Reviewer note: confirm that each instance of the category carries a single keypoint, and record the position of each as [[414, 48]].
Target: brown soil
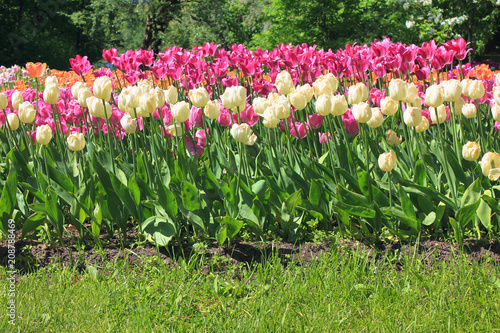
[[32, 255]]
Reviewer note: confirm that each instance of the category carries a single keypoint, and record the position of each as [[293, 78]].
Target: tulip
[[339, 105], [51, 94], [438, 113], [271, 120], [147, 104], [233, 97], [322, 87], [417, 102], [490, 165], [212, 109], [282, 107], [128, 123], [176, 129], [412, 93], [51, 81], [357, 93], [388, 106], [171, 95], [307, 91], [457, 110], [4, 102], [377, 118], [283, 83], [497, 79], [298, 100], [434, 96], [496, 94], [412, 116], [469, 110], [43, 134], [465, 86], [387, 161], [76, 141], [13, 121], [160, 97], [495, 112], [398, 89], [103, 88], [452, 90], [393, 139], [362, 112], [17, 98], [324, 105], [476, 89], [260, 104], [181, 111], [27, 112], [76, 87], [243, 133], [332, 81], [471, 151], [199, 97], [83, 94], [36, 70], [423, 125]]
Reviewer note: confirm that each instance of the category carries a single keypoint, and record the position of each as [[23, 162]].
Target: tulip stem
[[111, 148], [480, 124], [446, 165], [9, 132]]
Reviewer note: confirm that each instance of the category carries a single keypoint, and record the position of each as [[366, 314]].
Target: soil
[[32, 255]]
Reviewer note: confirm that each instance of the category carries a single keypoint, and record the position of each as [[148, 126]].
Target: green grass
[[334, 293]]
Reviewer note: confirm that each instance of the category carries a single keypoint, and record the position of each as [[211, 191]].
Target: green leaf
[[259, 188], [32, 222], [315, 193], [8, 199], [420, 173], [355, 210], [484, 213], [53, 213], [466, 213], [472, 194], [167, 200], [159, 229], [352, 197], [429, 219], [123, 193], [406, 204], [134, 189], [190, 196]]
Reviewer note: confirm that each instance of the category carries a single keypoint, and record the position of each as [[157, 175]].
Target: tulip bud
[[423, 125], [144, 86], [362, 112], [243, 133], [212, 109], [471, 151], [434, 96], [377, 118], [3, 101], [388, 106], [469, 110], [27, 112], [332, 81], [322, 87], [96, 108], [476, 89], [297, 100], [438, 113], [128, 124], [284, 83], [339, 105], [199, 97], [495, 112], [412, 116], [171, 95], [43, 134], [103, 88], [307, 91], [465, 86], [51, 94], [13, 121], [76, 141], [17, 98], [452, 90], [181, 111], [490, 165], [83, 94], [271, 120], [324, 105], [497, 79], [260, 104], [176, 129], [387, 161], [393, 139], [398, 89], [357, 93], [234, 96]]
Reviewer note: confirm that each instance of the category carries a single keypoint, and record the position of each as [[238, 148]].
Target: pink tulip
[[315, 120], [350, 124], [80, 65], [323, 138]]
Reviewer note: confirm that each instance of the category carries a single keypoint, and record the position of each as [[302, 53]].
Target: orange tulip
[[36, 70]]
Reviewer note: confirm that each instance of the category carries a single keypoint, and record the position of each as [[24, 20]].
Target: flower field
[[380, 141]]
